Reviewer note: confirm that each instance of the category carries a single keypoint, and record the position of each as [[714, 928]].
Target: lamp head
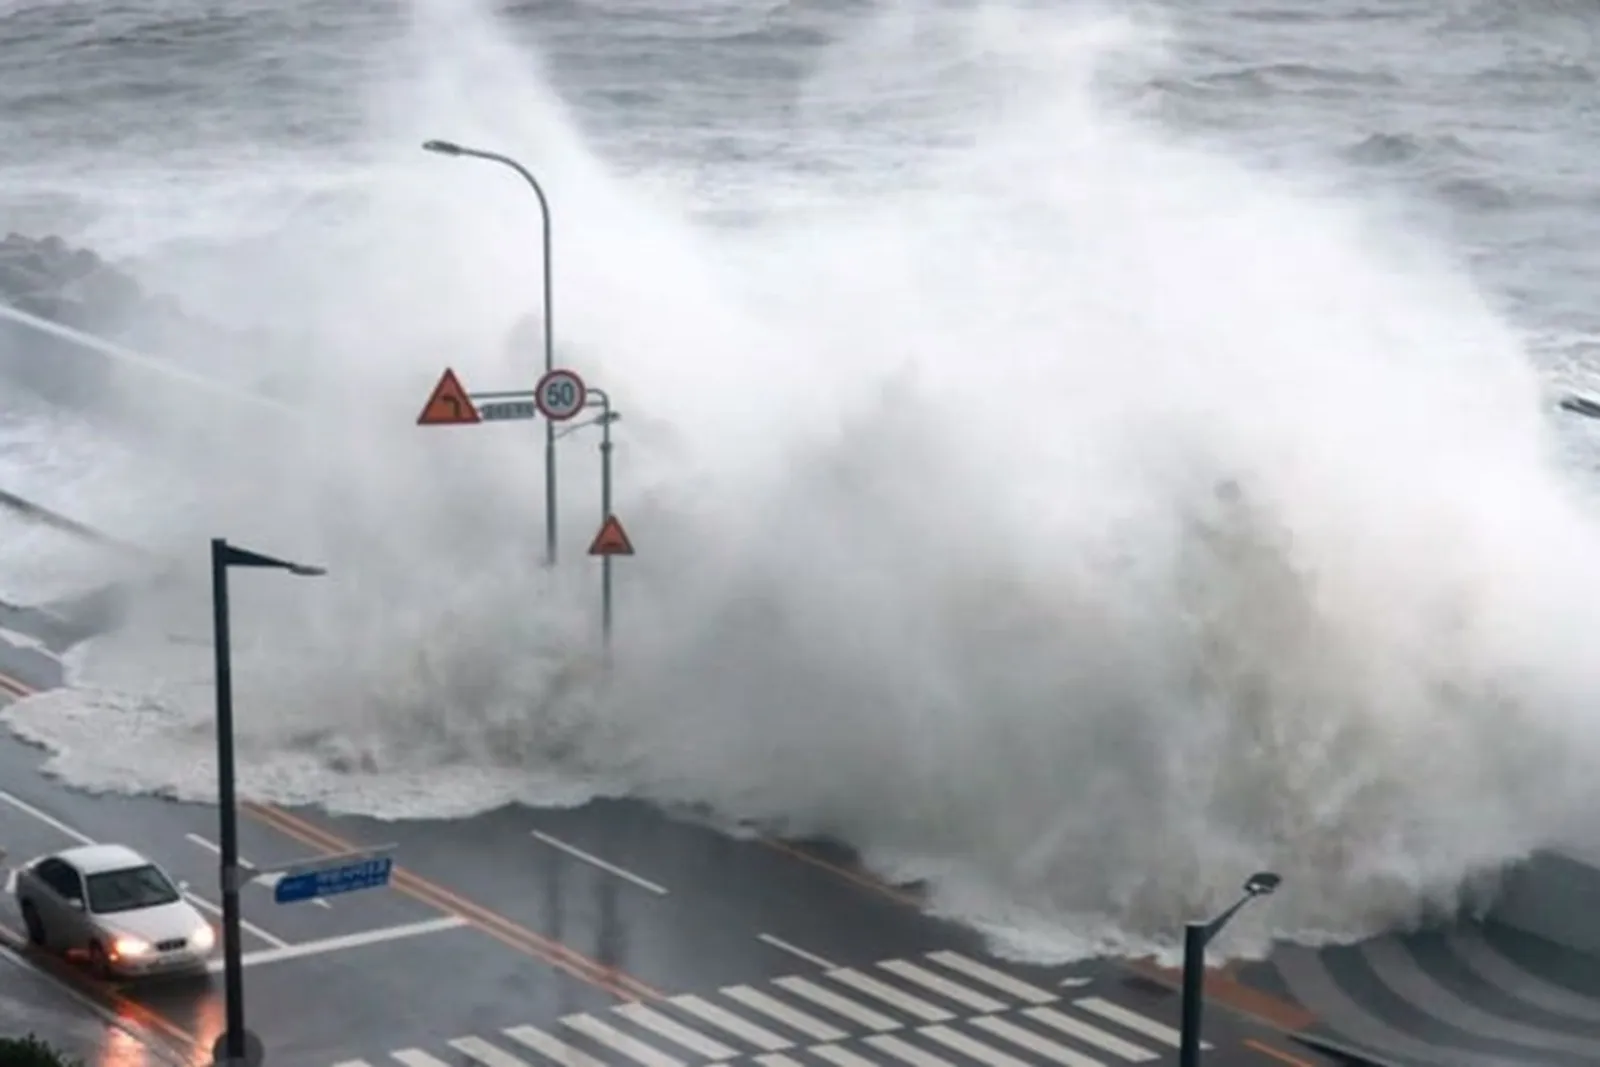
[[1262, 883], [303, 571], [444, 148]]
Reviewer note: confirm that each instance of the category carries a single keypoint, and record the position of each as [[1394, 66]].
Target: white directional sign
[[560, 395], [500, 410]]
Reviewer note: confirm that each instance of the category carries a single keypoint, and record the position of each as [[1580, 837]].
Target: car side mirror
[[77, 904], [183, 887]]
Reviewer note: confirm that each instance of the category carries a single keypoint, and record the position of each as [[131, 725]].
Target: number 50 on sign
[[560, 395]]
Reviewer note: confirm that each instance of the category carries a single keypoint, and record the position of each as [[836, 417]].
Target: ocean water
[[1078, 455]]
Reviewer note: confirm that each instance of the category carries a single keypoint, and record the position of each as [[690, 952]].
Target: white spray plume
[[1074, 518]]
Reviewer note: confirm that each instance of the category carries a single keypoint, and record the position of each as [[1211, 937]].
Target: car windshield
[[125, 890]]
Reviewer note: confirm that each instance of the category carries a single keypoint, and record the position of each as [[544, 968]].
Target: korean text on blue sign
[[362, 874]]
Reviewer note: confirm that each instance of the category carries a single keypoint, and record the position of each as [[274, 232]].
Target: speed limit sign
[[560, 395]]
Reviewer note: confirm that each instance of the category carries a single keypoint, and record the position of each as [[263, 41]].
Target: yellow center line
[[493, 923], [503, 929], [859, 878], [1276, 1053]]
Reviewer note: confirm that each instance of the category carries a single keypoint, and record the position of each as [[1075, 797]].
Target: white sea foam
[[1077, 519]]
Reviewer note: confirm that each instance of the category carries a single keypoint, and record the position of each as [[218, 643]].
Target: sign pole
[[559, 395], [605, 513], [612, 539]]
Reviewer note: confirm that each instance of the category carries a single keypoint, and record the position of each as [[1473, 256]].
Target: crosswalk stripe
[[673, 1030], [344, 1063], [907, 1053], [799, 1020], [942, 985], [1091, 1035], [777, 1059], [486, 1053], [837, 1004], [1132, 1020], [411, 1057], [756, 1035], [550, 1048], [1035, 1042], [890, 995], [970, 1047], [998, 979], [613, 1038], [841, 1057]]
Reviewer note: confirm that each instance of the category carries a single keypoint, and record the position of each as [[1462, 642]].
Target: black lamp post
[[1196, 936], [237, 1047]]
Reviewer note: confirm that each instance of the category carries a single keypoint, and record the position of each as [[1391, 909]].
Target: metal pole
[[605, 513], [1195, 936], [549, 349], [232, 944], [451, 149]]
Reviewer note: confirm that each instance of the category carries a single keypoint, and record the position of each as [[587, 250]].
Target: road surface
[[606, 936]]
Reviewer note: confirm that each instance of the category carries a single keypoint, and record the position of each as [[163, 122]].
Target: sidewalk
[[1465, 996], [33, 1002]]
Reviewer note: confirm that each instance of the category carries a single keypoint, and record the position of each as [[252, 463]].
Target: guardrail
[[43, 515], [111, 358]]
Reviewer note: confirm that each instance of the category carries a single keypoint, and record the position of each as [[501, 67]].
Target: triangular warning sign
[[612, 540], [448, 404]]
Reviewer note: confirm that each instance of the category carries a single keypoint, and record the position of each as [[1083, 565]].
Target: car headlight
[[204, 937], [129, 947]]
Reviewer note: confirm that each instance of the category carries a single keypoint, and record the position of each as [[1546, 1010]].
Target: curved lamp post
[[450, 148], [1196, 936], [236, 1046]]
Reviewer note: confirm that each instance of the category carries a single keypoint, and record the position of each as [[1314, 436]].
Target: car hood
[[178, 919]]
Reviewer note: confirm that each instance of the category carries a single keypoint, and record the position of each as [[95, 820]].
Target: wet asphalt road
[[549, 924]]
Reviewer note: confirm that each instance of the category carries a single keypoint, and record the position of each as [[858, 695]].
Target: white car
[[114, 906]]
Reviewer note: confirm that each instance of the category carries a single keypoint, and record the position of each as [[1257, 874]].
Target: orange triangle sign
[[448, 404], [612, 540]]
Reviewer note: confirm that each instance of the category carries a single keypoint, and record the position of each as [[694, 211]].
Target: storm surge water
[[1058, 511]]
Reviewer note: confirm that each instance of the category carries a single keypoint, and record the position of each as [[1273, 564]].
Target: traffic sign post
[[559, 396], [329, 876], [612, 540]]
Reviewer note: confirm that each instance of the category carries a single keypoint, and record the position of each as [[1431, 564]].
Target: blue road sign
[[362, 872]]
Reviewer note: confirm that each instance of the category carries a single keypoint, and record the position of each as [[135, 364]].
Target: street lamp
[[1196, 936], [236, 1047], [1580, 405], [449, 148]]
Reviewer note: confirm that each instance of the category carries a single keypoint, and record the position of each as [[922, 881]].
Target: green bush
[[31, 1052]]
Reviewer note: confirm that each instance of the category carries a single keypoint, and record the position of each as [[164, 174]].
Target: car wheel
[[33, 924], [98, 962]]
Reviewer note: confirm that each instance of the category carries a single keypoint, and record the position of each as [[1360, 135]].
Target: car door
[[63, 907]]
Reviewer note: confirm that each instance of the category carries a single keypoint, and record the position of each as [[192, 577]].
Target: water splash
[[1063, 514]]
